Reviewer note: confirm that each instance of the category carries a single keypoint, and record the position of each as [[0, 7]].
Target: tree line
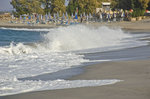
[[74, 6]]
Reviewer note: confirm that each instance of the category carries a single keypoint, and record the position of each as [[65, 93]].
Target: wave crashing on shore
[[73, 38], [60, 49]]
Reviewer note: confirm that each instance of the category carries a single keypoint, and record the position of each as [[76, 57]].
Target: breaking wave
[[73, 38], [57, 52]]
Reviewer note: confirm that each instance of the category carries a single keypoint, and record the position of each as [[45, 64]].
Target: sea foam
[[57, 51], [73, 38]]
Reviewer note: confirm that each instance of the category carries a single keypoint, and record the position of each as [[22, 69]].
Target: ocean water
[[41, 59]]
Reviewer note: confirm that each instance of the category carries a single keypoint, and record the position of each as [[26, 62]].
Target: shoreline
[[136, 76], [142, 25]]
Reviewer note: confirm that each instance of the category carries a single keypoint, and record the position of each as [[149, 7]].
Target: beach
[[142, 25], [134, 74], [135, 84]]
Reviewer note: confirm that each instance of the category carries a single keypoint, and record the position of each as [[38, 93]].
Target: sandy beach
[[18, 25], [127, 25], [136, 76]]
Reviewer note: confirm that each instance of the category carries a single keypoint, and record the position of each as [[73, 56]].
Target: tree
[[126, 4], [47, 5], [148, 5], [58, 6], [114, 4], [87, 6], [72, 6], [132, 4], [27, 7], [143, 4]]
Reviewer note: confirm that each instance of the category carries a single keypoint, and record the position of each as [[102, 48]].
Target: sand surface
[[136, 75], [136, 84], [136, 25]]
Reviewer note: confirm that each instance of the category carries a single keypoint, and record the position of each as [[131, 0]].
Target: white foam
[[16, 87], [81, 37], [56, 52], [24, 29], [75, 38], [28, 65]]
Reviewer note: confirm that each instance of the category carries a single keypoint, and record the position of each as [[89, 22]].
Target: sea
[[44, 59]]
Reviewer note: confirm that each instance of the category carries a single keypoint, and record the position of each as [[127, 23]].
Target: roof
[[106, 3]]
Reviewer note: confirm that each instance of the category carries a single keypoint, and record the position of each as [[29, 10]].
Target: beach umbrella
[[63, 17], [41, 17], [81, 15], [100, 16], [90, 16], [49, 15], [109, 16], [12, 16], [72, 15], [84, 14], [87, 17], [66, 15], [76, 16], [33, 16], [20, 17], [46, 17], [38, 17], [57, 15], [114, 15], [122, 14], [29, 17], [54, 17]]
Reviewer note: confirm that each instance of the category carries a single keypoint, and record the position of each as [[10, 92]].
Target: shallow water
[[28, 56]]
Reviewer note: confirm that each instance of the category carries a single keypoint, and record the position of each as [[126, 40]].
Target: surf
[[59, 49], [73, 38]]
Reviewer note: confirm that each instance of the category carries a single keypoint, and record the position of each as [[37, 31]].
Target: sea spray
[[82, 37], [56, 52], [71, 38]]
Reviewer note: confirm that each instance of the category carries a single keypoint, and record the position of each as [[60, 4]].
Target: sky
[[5, 5]]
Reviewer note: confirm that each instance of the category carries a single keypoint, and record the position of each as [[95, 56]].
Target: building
[[106, 6]]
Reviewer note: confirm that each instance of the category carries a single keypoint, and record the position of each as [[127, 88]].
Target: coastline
[[136, 76], [142, 25], [38, 26]]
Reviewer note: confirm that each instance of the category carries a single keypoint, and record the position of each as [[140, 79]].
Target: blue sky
[[5, 5]]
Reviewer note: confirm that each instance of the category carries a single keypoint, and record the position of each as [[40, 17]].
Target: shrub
[[138, 12]]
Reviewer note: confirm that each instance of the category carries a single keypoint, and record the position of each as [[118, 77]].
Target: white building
[[106, 6]]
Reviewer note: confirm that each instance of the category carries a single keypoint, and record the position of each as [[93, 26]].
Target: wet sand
[[136, 76], [136, 84]]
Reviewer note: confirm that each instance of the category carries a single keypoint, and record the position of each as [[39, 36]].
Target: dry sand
[[137, 25], [136, 84]]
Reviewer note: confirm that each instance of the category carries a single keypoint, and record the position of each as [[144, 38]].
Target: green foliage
[[114, 4], [58, 6], [148, 8], [27, 7], [143, 3], [72, 6], [132, 4], [87, 6], [138, 12], [34, 6], [126, 4]]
